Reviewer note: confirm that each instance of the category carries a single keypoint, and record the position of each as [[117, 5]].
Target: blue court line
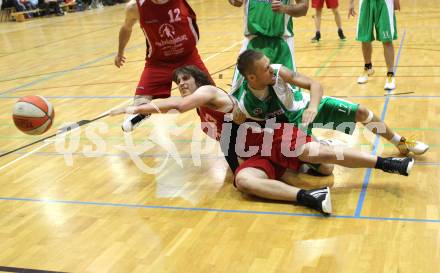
[[56, 74], [363, 192], [249, 212], [62, 72]]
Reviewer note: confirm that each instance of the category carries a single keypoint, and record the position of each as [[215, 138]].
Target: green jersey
[[286, 103], [261, 20]]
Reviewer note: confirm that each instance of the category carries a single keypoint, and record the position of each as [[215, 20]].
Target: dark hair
[[199, 76], [246, 60]]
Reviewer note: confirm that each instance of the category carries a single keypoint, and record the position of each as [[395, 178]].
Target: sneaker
[[317, 37], [399, 165], [341, 35], [318, 199], [364, 77], [409, 145], [133, 121], [390, 83]]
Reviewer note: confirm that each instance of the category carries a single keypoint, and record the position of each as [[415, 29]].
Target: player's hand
[[236, 3], [309, 115], [397, 5], [238, 116], [117, 111], [277, 6], [123, 110], [119, 60], [351, 10]]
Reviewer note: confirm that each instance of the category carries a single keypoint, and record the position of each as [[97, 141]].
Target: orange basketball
[[33, 115]]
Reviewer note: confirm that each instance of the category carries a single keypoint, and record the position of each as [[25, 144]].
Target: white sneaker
[[133, 121], [364, 77], [390, 83], [409, 145]]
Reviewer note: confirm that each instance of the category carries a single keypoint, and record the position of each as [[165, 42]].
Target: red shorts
[[279, 151], [156, 79], [272, 170], [331, 4]]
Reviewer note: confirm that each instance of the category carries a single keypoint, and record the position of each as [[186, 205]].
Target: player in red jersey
[[171, 34], [260, 174]]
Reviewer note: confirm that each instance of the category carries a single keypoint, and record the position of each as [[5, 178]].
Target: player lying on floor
[[260, 174]]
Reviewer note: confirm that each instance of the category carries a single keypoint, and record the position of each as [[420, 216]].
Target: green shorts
[[279, 50], [376, 15], [336, 114]]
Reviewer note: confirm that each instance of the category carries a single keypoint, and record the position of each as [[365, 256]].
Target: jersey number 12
[[174, 16]]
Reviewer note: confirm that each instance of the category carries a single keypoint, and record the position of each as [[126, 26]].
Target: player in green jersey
[[268, 26], [265, 94], [377, 18]]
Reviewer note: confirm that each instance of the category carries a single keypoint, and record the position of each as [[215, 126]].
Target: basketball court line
[[47, 143], [367, 176], [55, 20], [24, 156], [62, 72], [25, 270], [195, 209], [4, 79], [54, 42], [59, 133], [56, 74], [86, 84]]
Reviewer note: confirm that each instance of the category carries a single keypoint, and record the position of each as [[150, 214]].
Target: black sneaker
[[133, 121], [399, 165], [317, 37], [341, 34], [318, 199]]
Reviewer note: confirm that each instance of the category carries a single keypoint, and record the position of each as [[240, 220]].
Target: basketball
[[33, 115]]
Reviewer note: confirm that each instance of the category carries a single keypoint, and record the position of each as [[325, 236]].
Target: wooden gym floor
[[100, 210]]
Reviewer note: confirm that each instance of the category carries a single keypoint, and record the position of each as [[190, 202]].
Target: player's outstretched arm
[[131, 17], [202, 96]]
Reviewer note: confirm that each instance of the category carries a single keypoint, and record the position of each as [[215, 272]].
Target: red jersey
[[170, 29], [211, 121]]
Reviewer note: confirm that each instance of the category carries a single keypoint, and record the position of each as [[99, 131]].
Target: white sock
[[396, 139]]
